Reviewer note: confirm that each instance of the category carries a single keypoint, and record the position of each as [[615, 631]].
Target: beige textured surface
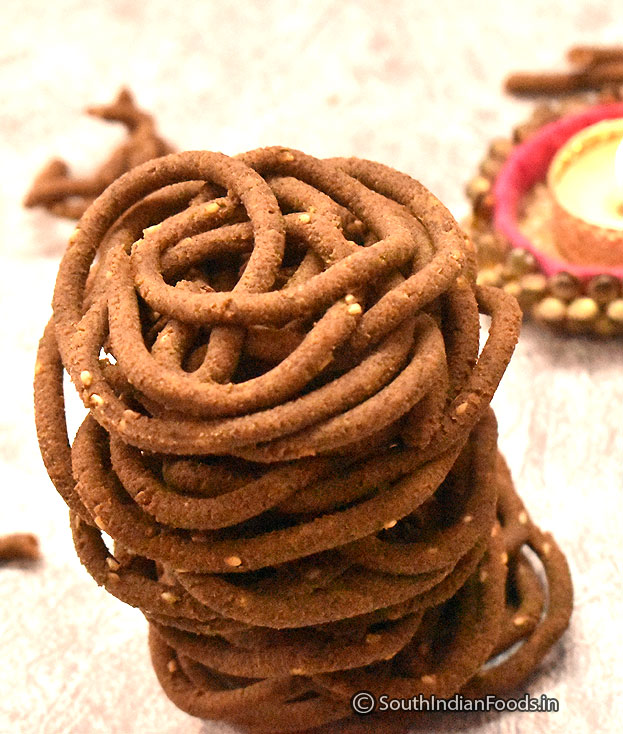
[[413, 84]]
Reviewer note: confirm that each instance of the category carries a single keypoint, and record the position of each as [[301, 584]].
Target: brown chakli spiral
[[289, 441]]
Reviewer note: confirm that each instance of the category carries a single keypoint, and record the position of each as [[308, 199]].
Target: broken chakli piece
[[66, 196], [289, 463], [19, 547]]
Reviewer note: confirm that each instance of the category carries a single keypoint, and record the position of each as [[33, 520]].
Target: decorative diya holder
[[547, 214], [587, 193]]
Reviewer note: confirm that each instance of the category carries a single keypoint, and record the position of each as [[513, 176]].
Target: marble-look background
[[416, 85]]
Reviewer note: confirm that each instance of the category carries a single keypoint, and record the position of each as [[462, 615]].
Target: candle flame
[[618, 166]]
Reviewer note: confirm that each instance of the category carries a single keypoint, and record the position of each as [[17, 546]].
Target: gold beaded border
[[561, 301]]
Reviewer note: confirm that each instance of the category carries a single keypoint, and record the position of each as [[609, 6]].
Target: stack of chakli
[[289, 462]]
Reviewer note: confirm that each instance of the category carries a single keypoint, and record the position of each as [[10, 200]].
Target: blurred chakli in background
[[19, 547], [64, 195], [57, 191]]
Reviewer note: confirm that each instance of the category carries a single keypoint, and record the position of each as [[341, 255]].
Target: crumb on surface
[[19, 547]]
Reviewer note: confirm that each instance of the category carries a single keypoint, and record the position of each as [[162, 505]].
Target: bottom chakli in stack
[[289, 462]]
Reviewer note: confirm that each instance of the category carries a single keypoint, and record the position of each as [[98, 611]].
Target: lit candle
[[586, 182]]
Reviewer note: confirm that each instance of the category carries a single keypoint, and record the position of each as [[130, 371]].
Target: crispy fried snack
[[289, 439], [19, 547], [61, 194]]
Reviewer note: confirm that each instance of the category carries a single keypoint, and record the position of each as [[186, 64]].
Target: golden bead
[[501, 148], [479, 186], [604, 326], [483, 207], [564, 285], [513, 288], [550, 310], [490, 167], [534, 284], [520, 260], [490, 248], [614, 310], [604, 288], [490, 276], [486, 241], [582, 310]]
